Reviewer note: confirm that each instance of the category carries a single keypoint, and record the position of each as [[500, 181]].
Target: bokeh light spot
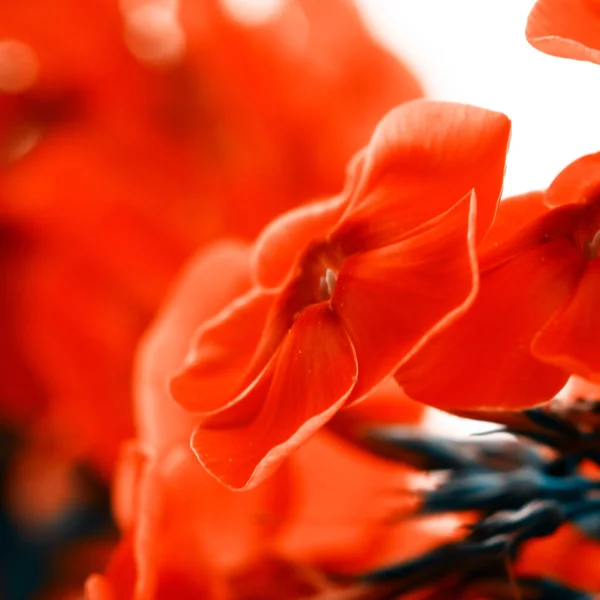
[[18, 66]]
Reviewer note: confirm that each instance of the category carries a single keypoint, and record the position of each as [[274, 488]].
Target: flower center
[[318, 273], [586, 230], [592, 247], [327, 284]]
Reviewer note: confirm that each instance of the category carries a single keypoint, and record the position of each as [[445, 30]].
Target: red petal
[[307, 381], [280, 242], [579, 183], [568, 555], [523, 224], [483, 360], [97, 587], [566, 28], [343, 520], [570, 339], [424, 157], [121, 573], [126, 483], [386, 404], [219, 361], [213, 278], [224, 524], [390, 300], [189, 527], [514, 214]]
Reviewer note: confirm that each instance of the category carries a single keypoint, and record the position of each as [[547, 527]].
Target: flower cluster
[[242, 260]]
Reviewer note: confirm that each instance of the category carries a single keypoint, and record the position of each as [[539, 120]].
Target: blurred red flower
[[552, 557], [535, 321], [130, 135], [566, 28], [346, 289], [186, 535]]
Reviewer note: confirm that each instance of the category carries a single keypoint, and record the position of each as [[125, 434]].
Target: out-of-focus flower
[[569, 556], [346, 289], [552, 557], [22, 394], [187, 536], [566, 28], [132, 133], [528, 506], [297, 96], [535, 320]]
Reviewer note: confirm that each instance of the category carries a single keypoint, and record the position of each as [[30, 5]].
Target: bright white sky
[[475, 51]]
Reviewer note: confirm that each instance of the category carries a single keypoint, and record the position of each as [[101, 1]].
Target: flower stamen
[[327, 284], [593, 246]]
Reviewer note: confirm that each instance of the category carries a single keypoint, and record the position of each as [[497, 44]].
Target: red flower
[[535, 320], [187, 536], [116, 164], [566, 28], [552, 557], [346, 289]]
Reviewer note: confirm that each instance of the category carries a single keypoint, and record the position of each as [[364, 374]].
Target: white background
[[475, 51]]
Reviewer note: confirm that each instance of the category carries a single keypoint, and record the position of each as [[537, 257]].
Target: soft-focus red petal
[[121, 573], [213, 279], [126, 484], [386, 404], [231, 528], [579, 183], [97, 587], [484, 359], [566, 28], [343, 518], [424, 157], [272, 577], [281, 241], [568, 556], [571, 339], [390, 300], [352, 534], [189, 526], [222, 352], [306, 382]]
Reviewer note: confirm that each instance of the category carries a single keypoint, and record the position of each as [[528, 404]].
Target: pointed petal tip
[[304, 385], [565, 29], [424, 156]]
